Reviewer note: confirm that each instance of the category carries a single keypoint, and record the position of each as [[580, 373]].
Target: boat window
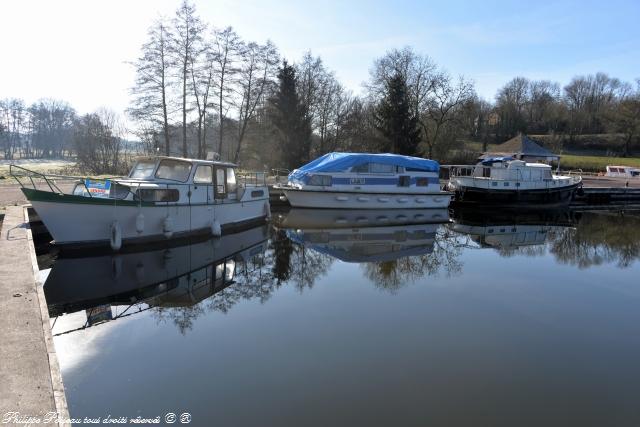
[[363, 168], [381, 168], [174, 170], [486, 172], [231, 180], [118, 191], [221, 187], [320, 180], [143, 169], [404, 181], [157, 195], [204, 175], [422, 181], [547, 174]]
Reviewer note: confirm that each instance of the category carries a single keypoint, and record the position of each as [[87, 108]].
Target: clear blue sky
[[78, 49]]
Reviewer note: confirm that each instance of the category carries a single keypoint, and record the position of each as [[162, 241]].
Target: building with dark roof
[[523, 148]]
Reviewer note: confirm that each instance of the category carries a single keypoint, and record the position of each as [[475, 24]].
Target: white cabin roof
[[183, 159]]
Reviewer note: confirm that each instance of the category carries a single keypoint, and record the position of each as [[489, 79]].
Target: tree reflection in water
[[395, 274], [390, 259], [599, 238], [253, 279]]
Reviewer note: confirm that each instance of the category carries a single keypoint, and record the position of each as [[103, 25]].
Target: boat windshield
[[174, 170], [143, 169]]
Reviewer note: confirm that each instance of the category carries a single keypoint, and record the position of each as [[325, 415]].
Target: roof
[[184, 159], [522, 145], [338, 162]]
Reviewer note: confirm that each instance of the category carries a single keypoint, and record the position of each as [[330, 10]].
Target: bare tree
[[419, 72], [186, 36], [203, 74], [227, 48], [258, 66], [439, 122], [626, 117], [98, 142], [150, 106], [51, 123]]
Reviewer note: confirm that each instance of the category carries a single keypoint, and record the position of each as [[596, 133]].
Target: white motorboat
[[506, 181], [622, 172], [366, 181], [162, 198]]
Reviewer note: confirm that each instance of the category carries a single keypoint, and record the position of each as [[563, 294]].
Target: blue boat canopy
[[492, 160], [340, 162]]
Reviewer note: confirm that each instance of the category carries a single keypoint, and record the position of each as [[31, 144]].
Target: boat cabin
[[169, 179], [360, 171], [512, 170]]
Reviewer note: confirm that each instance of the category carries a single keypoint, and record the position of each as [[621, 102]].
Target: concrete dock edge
[[59, 396], [31, 384]]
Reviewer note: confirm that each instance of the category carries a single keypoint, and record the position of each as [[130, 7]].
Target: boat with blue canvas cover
[[366, 181]]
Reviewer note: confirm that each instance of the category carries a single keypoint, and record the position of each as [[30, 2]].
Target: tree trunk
[[184, 108]]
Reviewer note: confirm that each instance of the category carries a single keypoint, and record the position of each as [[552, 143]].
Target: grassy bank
[[595, 163]]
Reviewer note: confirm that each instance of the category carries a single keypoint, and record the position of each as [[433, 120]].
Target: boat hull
[[357, 218], [80, 221], [365, 200], [529, 198]]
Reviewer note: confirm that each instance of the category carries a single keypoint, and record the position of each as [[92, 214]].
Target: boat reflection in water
[[364, 235], [393, 247], [171, 277], [512, 231]]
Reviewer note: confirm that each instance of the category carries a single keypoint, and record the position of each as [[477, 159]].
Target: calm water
[[333, 318]]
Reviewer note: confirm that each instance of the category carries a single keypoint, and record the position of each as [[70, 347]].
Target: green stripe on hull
[[51, 197]]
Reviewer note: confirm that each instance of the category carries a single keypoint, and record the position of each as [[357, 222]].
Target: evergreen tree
[[395, 119], [291, 119]]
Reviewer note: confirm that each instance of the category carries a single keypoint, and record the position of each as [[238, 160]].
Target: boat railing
[[252, 179], [281, 175], [28, 178]]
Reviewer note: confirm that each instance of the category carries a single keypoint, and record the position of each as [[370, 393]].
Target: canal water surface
[[333, 318]]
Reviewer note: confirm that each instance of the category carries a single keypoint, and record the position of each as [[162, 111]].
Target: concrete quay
[[31, 383]]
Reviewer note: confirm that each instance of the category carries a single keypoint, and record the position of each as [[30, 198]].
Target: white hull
[[357, 218], [71, 223], [364, 200]]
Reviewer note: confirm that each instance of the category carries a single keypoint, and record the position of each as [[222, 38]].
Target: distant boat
[[622, 172], [162, 198], [506, 181], [366, 181]]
